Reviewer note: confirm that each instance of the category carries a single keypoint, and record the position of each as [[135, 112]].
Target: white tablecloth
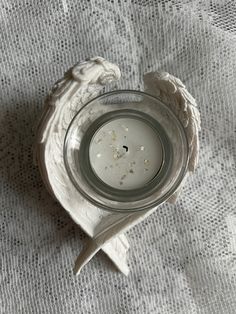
[[183, 257]]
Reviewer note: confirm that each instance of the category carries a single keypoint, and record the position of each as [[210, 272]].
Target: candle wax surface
[[125, 153]]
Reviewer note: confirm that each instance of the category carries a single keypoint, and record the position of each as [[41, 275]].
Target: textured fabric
[[183, 257]]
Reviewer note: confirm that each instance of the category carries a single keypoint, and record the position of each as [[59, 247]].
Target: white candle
[[126, 153]]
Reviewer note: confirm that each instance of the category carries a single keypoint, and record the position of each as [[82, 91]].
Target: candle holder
[[110, 160]]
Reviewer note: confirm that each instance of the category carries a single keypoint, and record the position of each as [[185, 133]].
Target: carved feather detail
[[173, 92], [80, 84]]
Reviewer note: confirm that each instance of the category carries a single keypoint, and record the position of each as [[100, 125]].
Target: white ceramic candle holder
[[110, 160]]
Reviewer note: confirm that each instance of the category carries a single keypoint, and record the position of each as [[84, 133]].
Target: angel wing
[[173, 92], [80, 84]]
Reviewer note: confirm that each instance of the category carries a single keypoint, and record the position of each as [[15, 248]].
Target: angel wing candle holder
[[110, 160]]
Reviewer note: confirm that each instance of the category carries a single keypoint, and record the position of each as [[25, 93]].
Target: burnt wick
[[126, 148]]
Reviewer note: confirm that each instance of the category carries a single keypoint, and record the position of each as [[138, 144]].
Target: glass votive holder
[[126, 151]]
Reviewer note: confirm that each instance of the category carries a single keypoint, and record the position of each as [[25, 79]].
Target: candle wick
[[126, 148]]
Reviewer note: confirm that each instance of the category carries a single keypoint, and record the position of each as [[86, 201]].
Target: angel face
[[96, 70]]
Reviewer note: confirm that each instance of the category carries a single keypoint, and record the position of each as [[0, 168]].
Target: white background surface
[[183, 257]]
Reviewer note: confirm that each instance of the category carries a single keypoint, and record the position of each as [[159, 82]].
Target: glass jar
[[126, 151]]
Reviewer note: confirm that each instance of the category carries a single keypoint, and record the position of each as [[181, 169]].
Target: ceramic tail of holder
[[81, 84]]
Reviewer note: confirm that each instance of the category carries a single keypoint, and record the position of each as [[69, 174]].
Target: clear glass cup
[[126, 104]]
